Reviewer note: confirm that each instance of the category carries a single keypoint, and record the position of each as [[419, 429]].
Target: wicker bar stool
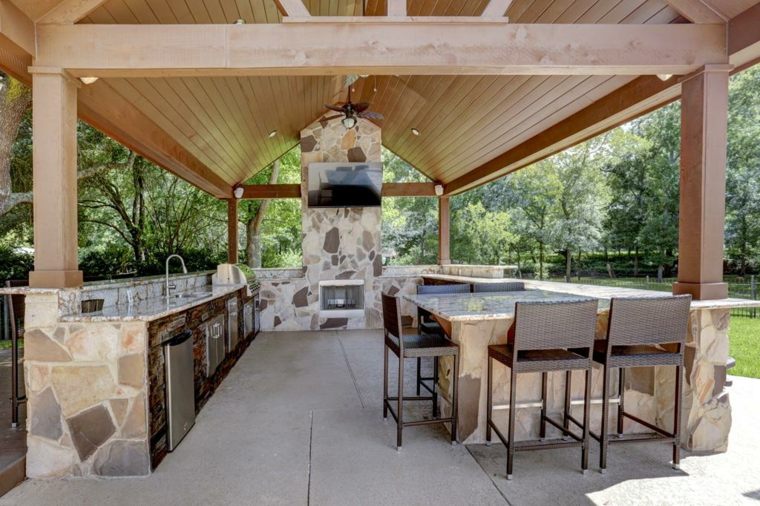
[[507, 286], [427, 325], [642, 332], [546, 336], [413, 346]]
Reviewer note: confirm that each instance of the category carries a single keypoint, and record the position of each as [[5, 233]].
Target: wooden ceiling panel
[[464, 120]]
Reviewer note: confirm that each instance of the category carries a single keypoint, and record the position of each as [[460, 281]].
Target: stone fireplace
[[341, 298]]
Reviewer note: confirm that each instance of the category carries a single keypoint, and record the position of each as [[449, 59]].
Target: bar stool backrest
[[508, 286], [542, 325], [392, 317], [648, 320], [443, 289]]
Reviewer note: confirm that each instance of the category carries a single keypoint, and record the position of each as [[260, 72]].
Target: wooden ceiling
[[464, 121]]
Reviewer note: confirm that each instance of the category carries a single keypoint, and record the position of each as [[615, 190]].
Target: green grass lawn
[[744, 340], [5, 344]]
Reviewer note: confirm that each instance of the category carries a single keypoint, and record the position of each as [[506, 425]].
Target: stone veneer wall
[[341, 243], [87, 392]]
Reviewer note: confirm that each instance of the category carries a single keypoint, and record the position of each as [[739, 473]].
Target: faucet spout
[[184, 270]]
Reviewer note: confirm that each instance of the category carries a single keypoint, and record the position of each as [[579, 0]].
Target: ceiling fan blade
[[351, 79], [361, 106], [371, 115], [336, 108], [328, 118]]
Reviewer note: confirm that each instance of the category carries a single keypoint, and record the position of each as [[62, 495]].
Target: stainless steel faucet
[[184, 270]]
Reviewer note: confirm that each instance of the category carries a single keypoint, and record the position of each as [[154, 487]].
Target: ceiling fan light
[[272, 134], [415, 132], [349, 122]]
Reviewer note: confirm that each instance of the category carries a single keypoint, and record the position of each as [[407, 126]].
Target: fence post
[[753, 293]]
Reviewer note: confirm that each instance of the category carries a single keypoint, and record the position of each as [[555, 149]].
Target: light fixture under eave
[[664, 77], [438, 189], [240, 21], [88, 80], [238, 192], [415, 131], [272, 134], [349, 122]]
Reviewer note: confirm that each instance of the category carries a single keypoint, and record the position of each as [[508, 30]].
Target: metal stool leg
[[621, 392], [544, 381], [568, 391], [455, 399], [586, 410], [603, 435], [677, 420], [385, 381], [511, 431], [419, 374], [489, 401], [435, 387], [400, 414]]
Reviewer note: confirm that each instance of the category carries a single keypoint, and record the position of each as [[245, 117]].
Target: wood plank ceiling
[[464, 120]]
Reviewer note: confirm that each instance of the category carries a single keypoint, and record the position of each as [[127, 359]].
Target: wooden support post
[[444, 231], [54, 121], [232, 231], [704, 125]]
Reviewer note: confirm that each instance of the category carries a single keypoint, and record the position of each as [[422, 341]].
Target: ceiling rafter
[[69, 12], [293, 8], [496, 8], [697, 11]]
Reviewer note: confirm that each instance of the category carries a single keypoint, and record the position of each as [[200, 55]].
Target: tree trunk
[[568, 265], [253, 226], [541, 261], [15, 99], [636, 262]]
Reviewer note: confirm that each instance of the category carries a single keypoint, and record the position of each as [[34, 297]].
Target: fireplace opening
[[341, 295]]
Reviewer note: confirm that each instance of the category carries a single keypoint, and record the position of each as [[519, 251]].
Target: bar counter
[[477, 320]]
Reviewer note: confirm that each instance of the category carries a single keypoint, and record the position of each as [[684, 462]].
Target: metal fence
[[739, 288]]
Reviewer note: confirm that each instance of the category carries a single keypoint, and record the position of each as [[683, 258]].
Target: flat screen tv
[[345, 184]]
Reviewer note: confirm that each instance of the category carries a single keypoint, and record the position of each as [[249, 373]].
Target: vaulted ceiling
[[226, 123]]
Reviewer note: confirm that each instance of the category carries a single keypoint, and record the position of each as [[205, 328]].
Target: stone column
[[55, 180], [232, 231], [704, 124], [444, 231]]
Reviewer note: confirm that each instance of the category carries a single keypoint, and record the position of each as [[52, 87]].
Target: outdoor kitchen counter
[[475, 321], [154, 308]]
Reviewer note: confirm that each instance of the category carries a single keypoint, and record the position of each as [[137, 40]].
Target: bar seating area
[[547, 332]]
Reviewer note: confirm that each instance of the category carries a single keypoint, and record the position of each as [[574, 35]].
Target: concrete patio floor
[[299, 421]]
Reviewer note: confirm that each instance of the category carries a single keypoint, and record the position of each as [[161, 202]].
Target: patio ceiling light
[[415, 131], [272, 134], [238, 192], [240, 21], [88, 80], [664, 77], [349, 122]]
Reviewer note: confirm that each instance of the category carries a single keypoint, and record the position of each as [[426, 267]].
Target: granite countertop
[[154, 308], [488, 306], [599, 292]]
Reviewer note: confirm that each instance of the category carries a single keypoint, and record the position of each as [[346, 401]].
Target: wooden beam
[[295, 8], [496, 8], [396, 7], [406, 46], [232, 231], [627, 102], [69, 12], [16, 28], [271, 191], [408, 190], [744, 36], [696, 11]]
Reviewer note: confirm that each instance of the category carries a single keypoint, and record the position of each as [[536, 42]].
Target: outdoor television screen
[[345, 184]]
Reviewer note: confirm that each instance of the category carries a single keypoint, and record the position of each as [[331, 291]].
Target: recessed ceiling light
[[88, 80], [664, 77], [415, 131], [272, 133], [240, 21]]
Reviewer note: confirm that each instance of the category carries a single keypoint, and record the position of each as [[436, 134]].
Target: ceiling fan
[[351, 112]]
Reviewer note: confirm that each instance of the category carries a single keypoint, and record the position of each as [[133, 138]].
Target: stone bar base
[[86, 385], [706, 416]]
